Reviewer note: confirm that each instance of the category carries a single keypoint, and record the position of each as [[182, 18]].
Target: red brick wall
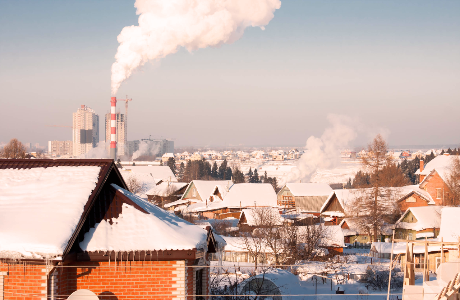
[[403, 205], [24, 281], [123, 280], [436, 182]]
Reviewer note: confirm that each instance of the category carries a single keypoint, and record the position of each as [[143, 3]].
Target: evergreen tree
[[255, 177], [188, 171], [228, 174], [172, 165], [207, 170], [449, 151], [214, 171], [442, 152], [222, 169], [181, 171], [265, 177], [348, 185], [250, 175], [238, 176]]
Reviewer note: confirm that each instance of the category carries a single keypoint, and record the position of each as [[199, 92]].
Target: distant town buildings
[[60, 148], [85, 132], [121, 136]]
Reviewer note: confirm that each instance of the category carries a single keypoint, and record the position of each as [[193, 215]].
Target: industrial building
[[85, 132], [121, 133]]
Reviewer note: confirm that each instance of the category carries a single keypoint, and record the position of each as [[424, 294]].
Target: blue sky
[[389, 64]]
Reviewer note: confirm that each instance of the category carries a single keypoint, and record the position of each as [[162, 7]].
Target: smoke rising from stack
[[166, 25], [324, 152]]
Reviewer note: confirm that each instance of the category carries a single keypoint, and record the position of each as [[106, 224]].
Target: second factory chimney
[[113, 128]]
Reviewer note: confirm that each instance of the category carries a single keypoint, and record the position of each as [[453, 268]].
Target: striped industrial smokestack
[[113, 128]]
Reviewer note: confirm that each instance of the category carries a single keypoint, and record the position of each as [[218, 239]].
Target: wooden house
[[419, 223], [304, 197], [166, 192], [71, 224], [251, 218]]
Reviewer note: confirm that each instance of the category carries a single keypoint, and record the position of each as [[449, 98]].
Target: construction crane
[[59, 126], [126, 113]]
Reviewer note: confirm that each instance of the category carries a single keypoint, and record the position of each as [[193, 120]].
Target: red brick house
[[71, 224], [433, 179]]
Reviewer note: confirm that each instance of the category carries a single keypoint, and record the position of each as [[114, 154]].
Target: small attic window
[[438, 194]]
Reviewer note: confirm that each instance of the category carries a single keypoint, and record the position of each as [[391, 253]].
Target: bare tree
[[134, 185], [375, 204], [14, 149], [453, 181]]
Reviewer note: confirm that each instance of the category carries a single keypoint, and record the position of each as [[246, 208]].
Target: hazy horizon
[[393, 66]]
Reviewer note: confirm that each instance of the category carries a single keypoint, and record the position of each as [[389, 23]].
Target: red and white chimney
[[113, 128]]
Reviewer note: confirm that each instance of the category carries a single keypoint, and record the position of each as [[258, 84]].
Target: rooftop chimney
[[421, 165], [113, 128]]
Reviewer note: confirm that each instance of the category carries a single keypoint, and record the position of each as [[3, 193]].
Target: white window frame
[[438, 193]]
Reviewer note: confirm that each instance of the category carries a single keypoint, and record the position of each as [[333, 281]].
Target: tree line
[[203, 170]]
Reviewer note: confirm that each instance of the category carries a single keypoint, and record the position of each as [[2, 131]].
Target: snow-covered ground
[[320, 280]]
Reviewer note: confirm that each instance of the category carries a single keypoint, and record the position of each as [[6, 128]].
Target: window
[[410, 199], [438, 194], [409, 236], [199, 284]]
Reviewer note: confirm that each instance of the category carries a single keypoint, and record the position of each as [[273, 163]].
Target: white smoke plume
[[324, 152], [100, 151], [166, 25], [147, 149]]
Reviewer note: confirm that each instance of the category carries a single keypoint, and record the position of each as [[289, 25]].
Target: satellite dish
[[83, 295]]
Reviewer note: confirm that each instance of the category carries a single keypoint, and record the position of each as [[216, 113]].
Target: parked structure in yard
[[304, 197], [71, 224]]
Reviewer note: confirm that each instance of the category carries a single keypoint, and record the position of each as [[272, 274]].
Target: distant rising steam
[[147, 150], [166, 25], [100, 151], [324, 152]]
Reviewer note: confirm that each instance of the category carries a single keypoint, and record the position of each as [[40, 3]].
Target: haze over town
[[242, 149]]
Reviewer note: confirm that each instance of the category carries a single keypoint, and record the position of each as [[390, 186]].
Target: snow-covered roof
[[440, 164], [309, 189], [153, 229], [166, 188], [254, 216], [450, 229], [407, 190], [346, 197], [206, 187], [40, 208], [428, 217], [251, 194]]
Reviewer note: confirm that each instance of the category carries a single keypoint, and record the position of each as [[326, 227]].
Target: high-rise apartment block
[[85, 134], [121, 133], [60, 148]]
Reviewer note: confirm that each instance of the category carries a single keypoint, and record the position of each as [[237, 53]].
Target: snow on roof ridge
[[134, 230]]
